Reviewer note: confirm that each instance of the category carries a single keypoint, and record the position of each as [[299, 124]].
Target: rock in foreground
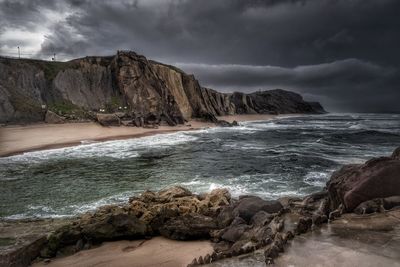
[[355, 184]]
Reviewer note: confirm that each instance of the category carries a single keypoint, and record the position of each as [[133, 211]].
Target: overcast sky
[[343, 53]]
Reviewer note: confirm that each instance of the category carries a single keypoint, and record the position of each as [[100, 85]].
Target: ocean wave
[[317, 178], [118, 149], [41, 211], [363, 134]]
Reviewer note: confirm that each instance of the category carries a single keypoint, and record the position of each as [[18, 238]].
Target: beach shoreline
[[169, 253], [19, 139]]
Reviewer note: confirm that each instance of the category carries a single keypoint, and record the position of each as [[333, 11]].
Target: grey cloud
[[284, 33], [344, 46]]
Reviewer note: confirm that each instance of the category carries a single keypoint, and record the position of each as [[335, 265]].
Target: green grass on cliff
[[66, 108], [114, 104], [51, 68]]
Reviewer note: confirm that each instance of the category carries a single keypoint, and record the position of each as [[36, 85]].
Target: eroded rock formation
[[375, 179], [147, 92]]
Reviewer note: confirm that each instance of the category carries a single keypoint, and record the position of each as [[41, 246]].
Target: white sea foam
[[41, 211], [115, 199], [316, 178], [127, 148]]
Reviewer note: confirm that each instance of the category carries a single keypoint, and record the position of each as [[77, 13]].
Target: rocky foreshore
[[235, 226]]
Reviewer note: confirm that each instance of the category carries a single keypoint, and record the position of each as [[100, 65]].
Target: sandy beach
[[19, 139], [157, 251]]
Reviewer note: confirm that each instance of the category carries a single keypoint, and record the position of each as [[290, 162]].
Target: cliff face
[[146, 91]]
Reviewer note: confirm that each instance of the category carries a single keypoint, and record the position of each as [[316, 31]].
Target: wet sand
[[157, 251], [19, 139], [352, 240]]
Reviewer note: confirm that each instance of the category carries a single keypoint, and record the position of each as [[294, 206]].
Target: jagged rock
[[96, 228], [247, 207], [288, 236], [271, 252], [225, 217], [391, 202], [314, 197], [150, 126], [269, 261], [200, 260], [127, 123], [242, 246], [259, 234], [303, 225], [214, 256], [223, 123], [52, 117], [219, 197], [235, 232], [335, 214], [276, 225], [261, 218], [108, 119], [354, 184], [369, 206], [173, 192], [194, 262], [188, 226], [377, 205], [24, 253], [207, 258], [174, 212], [222, 246], [318, 219], [396, 154], [279, 242], [114, 226]]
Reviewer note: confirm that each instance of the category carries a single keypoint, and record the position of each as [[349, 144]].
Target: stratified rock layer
[[147, 91]]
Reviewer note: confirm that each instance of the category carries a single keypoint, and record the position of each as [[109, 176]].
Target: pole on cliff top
[[19, 54]]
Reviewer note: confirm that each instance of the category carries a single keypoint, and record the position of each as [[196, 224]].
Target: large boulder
[[248, 206], [52, 117], [173, 192], [188, 226], [108, 119], [235, 231], [108, 223], [354, 184], [114, 226]]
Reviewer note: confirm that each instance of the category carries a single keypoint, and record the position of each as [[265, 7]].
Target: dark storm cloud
[[342, 46], [24, 14]]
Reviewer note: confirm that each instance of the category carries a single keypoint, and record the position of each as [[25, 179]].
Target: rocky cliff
[[147, 92]]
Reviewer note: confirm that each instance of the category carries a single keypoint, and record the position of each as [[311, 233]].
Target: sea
[[286, 156]]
